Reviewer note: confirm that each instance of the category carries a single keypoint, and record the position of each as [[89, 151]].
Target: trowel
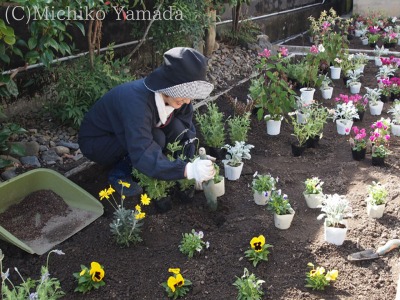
[[373, 254]]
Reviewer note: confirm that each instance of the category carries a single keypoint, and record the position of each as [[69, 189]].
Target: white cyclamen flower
[[321, 48]]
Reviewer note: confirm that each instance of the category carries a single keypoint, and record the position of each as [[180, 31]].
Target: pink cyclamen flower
[[387, 137], [314, 49], [372, 138], [325, 25], [347, 130], [379, 124], [284, 51], [355, 129], [266, 53]]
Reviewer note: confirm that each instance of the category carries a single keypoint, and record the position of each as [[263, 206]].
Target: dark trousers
[[108, 151]]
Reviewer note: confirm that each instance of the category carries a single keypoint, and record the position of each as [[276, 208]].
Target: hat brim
[[192, 90]]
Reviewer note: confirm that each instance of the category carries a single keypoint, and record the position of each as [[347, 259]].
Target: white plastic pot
[[283, 221], [233, 173], [327, 93], [395, 128], [355, 88], [334, 235], [364, 41], [378, 61], [344, 126], [335, 72], [274, 127], [261, 198], [375, 211], [313, 200], [376, 110], [307, 95]]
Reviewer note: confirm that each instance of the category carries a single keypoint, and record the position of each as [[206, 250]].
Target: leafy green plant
[[313, 185], [258, 251], [155, 188], [237, 153], [335, 208], [79, 86], [127, 222], [89, 279], [239, 127], [377, 193], [212, 126], [7, 130], [317, 279], [43, 288], [249, 286], [301, 130], [279, 203], [192, 242], [176, 286], [246, 34], [263, 182]]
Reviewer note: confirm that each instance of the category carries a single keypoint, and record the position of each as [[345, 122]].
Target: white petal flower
[[321, 48]]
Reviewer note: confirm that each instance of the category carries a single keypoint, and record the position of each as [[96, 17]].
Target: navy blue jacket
[[128, 114]]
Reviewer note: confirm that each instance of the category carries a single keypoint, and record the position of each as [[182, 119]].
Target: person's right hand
[[200, 170]]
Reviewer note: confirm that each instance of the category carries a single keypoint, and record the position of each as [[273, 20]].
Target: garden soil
[[137, 272]]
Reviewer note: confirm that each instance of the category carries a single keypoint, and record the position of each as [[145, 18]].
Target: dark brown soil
[[26, 219], [138, 271]]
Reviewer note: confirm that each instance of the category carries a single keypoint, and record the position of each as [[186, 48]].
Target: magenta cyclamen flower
[[379, 124], [325, 25], [314, 49], [387, 137], [355, 130], [266, 53], [284, 51]]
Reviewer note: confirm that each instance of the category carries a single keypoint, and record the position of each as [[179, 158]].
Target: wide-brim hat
[[182, 75]]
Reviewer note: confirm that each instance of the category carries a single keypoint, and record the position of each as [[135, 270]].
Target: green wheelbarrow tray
[[84, 206]]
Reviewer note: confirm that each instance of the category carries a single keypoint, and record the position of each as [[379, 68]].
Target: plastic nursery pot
[[358, 155], [218, 153], [378, 161], [360, 115], [313, 142], [185, 196], [163, 205], [84, 208], [297, 150], [336, 235]]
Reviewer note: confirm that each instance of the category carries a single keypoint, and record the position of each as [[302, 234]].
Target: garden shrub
[[79, 86]]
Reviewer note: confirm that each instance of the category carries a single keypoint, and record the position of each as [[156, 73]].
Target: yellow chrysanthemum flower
[[140, 216], [332, 275], [124, 184], [174, 282], [144, 199], [82, 272], [138, 208], [96, 271], [110, 190], [174, 270], [103, 194], [257, 243]]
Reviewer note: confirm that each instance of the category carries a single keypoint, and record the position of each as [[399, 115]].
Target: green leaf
[[17, 52], [5, 58], [32, 42], [54, 44], [81, 28], [10, 40], [17, 150]]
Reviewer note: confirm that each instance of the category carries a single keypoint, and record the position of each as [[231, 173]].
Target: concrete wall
[[388, 7]]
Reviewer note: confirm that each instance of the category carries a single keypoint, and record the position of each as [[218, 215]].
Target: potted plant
[[379, 51], [379, 138], [336, 68], [302, 132], [326, 88], [239, 127], [214, 188], [385, 72], [359, 102], [271, 93], [344, 115], [212, 129], [373, 39], [395, 112], [354, 81], [281, 208], [361, 60], [158, 190], [374, 103], [358, 143], [335, 209], [317, 118], [389, 39], [262, 186], [313, 192], [376, 200], [233, 163]]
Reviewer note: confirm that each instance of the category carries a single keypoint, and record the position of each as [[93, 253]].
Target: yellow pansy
[[124, 184], [320, 270], [174, 282], [332, 275], [96, 271], [174, 270], [82, 272], [138, 208], [103, 194], [144, 199], [140, 216], [257, 243], [110, 190]]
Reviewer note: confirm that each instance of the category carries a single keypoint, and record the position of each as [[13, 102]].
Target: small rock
[[61, 150], [30, 161], [10, 173]]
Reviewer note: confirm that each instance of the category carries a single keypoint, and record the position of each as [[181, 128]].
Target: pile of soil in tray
[[26, 219]]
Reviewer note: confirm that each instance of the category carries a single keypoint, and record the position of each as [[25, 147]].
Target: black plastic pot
[[378, 161], [361, 116], [312, 142], [297, 150], [218, 153], [185, 196], [163, 205], [358, 155], [384, 98]]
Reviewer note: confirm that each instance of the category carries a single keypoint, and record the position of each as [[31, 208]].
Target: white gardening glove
[[200, 170]]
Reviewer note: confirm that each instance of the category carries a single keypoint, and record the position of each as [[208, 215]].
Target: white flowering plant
[[354, 77], [263, 182], [373, 95], [335, 209], [345, 111], [192, 242], [395, 112], [249, 286], [377, 193], [32, 289], [237, 153]]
